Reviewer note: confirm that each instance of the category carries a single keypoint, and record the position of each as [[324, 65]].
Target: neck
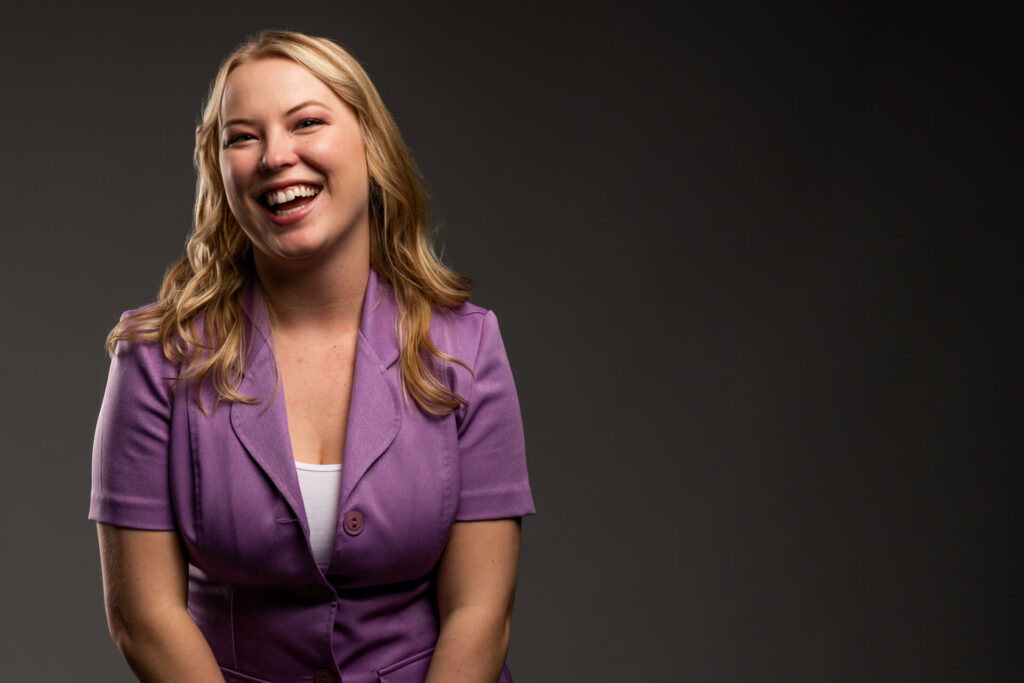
[[326, 298]]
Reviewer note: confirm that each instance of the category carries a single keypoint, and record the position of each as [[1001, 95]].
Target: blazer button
[[320, 593], [324, 676], [353, 523]]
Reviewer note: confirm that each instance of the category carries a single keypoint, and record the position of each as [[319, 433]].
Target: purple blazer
[[227, 484]]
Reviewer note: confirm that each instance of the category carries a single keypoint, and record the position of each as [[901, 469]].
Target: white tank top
[[321, 489]]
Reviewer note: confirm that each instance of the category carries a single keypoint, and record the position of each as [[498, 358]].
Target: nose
[[278, 152]]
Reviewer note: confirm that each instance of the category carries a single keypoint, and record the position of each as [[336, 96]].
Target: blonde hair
[[207, 285]]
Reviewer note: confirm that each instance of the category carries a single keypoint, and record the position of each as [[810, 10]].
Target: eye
[[239, 137], [309, 123]]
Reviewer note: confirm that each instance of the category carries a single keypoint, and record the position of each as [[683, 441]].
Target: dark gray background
[[753, 269]]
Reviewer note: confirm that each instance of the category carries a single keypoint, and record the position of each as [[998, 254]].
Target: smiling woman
[[294, 174], [309, 461]]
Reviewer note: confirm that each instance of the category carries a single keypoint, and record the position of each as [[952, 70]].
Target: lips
[[288, 211], [287, 199]]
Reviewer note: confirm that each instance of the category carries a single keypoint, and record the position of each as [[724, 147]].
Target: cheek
[[342, 155], [233, 191]]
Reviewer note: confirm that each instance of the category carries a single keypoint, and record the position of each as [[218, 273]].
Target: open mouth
[[289, 199]]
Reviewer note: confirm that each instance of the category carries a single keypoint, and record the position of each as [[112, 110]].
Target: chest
[[316, 380], [240, 503]]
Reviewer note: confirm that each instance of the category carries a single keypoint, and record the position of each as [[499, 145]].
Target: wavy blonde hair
[[206, 287]]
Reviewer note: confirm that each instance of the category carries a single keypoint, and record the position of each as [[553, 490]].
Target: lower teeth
[[285, 212]]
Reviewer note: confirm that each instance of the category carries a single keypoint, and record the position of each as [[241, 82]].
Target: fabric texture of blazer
[[226, 482]]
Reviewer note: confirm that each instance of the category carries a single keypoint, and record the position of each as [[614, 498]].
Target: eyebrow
[[291, 111]]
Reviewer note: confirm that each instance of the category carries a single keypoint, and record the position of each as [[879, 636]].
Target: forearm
[[168, 648], [471, 647]]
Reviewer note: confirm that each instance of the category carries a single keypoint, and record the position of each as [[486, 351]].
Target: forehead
[[271, 86]]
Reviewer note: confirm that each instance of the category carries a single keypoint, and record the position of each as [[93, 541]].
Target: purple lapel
[[374, 412]]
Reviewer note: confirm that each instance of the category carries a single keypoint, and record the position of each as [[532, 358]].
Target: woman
[[309, 461]]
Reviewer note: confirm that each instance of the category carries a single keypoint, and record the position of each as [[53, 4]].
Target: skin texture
[[145, 588], [476, 585], [283, 124]]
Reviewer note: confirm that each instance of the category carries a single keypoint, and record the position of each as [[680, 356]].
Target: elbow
[[503, 635], [503, 640], [132, 633], [496, 646], [503, 629], [491, 629], [123, 631], [117, 626]]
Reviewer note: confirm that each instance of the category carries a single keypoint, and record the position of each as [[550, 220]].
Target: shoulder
[[464, 313], [462, 330], [146, 354], [466, 316]]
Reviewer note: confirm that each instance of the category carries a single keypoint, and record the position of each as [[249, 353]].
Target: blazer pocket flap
[[409, 670], [235, 677]]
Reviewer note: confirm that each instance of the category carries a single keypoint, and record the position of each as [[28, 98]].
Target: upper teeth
[[289, 193]]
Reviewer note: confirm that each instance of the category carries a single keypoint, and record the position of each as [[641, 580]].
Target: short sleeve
[[130, 482], [492, 453]]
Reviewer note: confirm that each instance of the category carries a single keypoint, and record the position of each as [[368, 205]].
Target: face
[[293, 163]]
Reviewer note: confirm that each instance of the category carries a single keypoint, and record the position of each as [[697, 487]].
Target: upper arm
[[479, 566], [144, 573], [481, 559], [144, 569], [492, 455], [130, 483]]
